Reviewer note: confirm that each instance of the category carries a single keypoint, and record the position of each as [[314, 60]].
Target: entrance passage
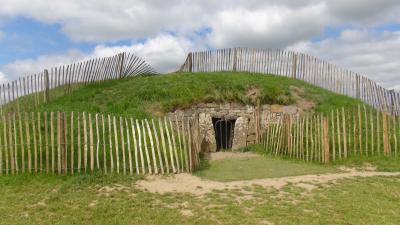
[[224, 131]]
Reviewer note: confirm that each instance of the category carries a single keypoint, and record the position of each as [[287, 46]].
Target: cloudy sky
[[361, 35]]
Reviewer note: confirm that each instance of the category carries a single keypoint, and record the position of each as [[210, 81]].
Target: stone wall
[[244, 131]]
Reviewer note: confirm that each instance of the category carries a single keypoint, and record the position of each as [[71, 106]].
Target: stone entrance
[[224, 132], [242, 132]]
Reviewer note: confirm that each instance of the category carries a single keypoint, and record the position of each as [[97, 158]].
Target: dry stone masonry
[[244, 132]]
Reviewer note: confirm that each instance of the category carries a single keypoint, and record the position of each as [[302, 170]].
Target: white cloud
[[104, 20], [375, 55], [229, 23], [275, 21], [26, 67], [361, 12], [2, 77], [164, 52], [275, 26]]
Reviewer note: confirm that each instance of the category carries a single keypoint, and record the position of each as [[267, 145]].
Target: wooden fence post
[[140, 147], [64, 142], [235, 59], [257, 122], [357, 86], [385, 135], [146, 150], [21, 136], [160, 124], [344, 134], [395, 134], [46, 85], [121, 66], [190, 61], [378, 132], [294, 66], [191, 164], [51, 140], [58, 142], [91, 149], [34, 141], [326, 139], [158, 147], [72, 143]]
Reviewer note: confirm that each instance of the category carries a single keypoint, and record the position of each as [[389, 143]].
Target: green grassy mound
[[150, 95]]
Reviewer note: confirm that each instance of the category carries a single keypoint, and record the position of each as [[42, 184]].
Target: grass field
[[116, 199], [104, 199], [258, 167], [150, 95]]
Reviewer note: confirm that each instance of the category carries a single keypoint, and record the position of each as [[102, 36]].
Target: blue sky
[[27, 38], [36, 34]]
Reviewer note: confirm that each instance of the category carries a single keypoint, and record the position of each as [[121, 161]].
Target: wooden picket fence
[[71, 143], [298, 66], [358, 132], [28, 92]]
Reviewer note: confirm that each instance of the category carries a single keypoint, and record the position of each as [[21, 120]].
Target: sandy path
[[187, 183], [232, 155]]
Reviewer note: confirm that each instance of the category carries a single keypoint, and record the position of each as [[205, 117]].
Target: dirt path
[[187, 183], [232, 155]]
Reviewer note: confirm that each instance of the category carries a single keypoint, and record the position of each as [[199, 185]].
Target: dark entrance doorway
[[224, 131]]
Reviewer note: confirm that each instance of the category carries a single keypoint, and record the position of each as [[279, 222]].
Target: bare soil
[[302, 103], [187, 183]]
